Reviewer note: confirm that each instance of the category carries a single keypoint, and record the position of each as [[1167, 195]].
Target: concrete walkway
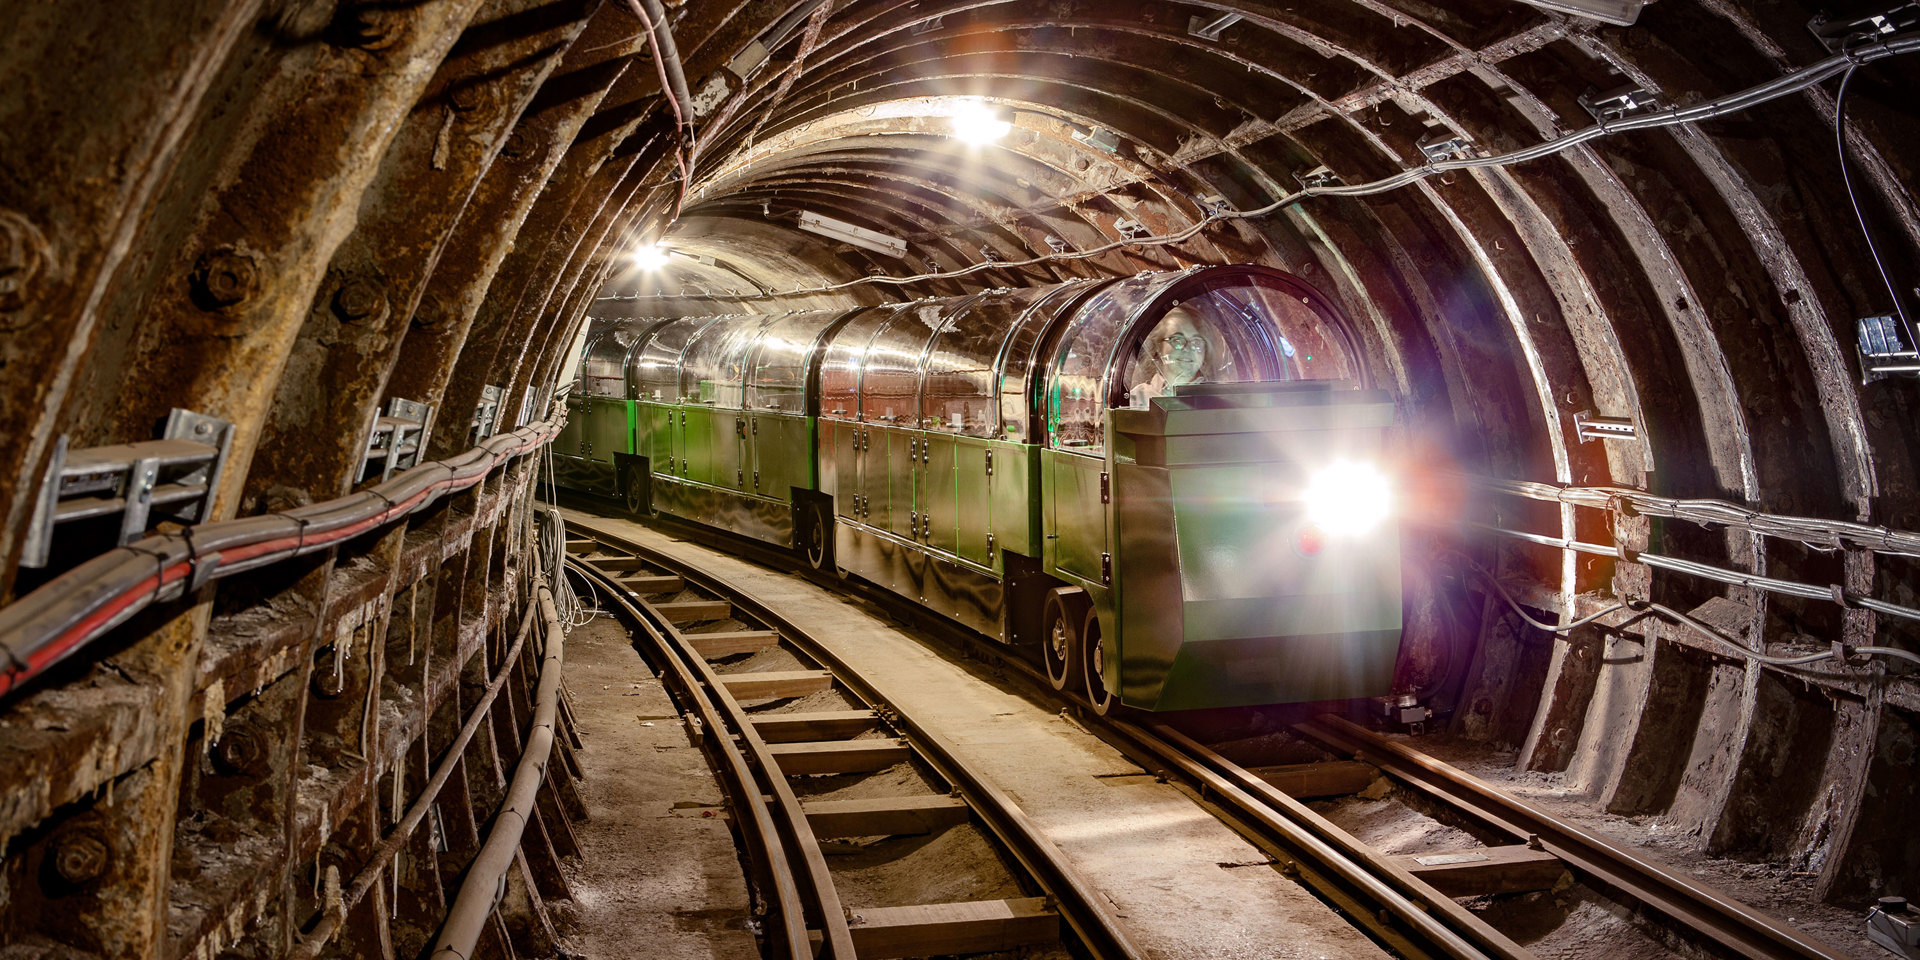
[[658, 877], [1186, 885]]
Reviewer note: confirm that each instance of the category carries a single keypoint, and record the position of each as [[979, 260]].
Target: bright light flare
[[977, 123], [1348, 498], [650, 257]]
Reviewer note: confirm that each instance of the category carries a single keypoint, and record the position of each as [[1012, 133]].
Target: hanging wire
[[1808, 76], [1846, 177]]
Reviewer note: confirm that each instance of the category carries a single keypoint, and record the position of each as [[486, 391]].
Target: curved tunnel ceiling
[[1695, 280], [289, 214]]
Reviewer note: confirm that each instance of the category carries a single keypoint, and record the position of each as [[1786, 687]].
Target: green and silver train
[[1169, 486]]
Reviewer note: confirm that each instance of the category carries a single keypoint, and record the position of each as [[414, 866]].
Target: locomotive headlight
[[1348, 498]]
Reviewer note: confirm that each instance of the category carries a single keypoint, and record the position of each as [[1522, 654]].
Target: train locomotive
[[1170, 485]]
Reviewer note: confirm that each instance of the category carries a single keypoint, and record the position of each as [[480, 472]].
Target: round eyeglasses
[[1181, 343]]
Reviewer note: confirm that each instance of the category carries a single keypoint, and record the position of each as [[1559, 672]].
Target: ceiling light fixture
[[977, 123], [650, 257], [848, 233]]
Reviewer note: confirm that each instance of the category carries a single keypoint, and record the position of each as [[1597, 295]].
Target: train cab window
[[714, 369], [603, 362], [958, 393], [1076, 399], [846, 355], [1259, 329], [778, 381], [890, 375], [1030, 314], [654, 369]]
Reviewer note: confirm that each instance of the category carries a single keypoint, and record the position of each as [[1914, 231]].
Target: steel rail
[[309, 946], [1335, 864], [481, 889], [1076, 900], [72, 610], [1724, 921], [768, 843]]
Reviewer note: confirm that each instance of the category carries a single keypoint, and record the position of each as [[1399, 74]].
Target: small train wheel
[[1059, 644], [636, 493], [818, 537], [1093, 650]]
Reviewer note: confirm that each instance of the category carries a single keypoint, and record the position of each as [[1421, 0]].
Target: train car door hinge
[[755, 425], [989, 548], [756, 479], [989, 471], [1106, 568], [740, 427], [740, 477], [1106, 489]]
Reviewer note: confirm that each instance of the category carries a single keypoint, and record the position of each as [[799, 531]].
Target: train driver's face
[[1179, 346]]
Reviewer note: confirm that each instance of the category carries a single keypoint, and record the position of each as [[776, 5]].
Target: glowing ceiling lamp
[[977, 123], [650, 257]]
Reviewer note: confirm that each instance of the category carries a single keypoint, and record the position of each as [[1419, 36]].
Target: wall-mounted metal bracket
[[1056, 244], [1444, 145], [1886, 348], [1211, 26], [1100, 138], [1619, 103], [1837, 33], [1130, 229], [486, 416], [1320, 176], [1590, 427], [172, 478], [397, 439]]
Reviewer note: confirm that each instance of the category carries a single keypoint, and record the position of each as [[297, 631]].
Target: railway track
[[1405, 903], [768, 760]]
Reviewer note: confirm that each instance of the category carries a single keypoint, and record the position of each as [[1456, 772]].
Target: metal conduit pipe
[[1794, 588], [309, 946], [486, 878], [1813, 531], [70, 611]]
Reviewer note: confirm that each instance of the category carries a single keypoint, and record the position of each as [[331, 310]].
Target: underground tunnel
[[725, 478]]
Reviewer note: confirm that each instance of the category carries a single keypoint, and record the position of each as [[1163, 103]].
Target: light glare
[[977, 123], [1347, 498], [650, 257]]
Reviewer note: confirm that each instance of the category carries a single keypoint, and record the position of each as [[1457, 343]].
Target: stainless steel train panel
[[939, 494], [973, 507], [696, 444], [1077, 521], [1014, 494], [782, 455], [728, 429], [756, 517]]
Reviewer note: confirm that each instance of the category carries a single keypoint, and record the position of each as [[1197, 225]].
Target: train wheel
[[817, 538], [1093, 650], [636, 494], [1058, 643]]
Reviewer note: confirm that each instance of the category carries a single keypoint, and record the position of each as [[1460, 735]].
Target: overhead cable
[[1784, 85]]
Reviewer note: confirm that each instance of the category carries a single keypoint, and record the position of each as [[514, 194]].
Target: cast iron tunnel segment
[[760, 757]]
